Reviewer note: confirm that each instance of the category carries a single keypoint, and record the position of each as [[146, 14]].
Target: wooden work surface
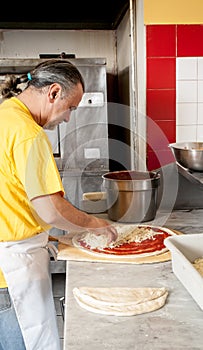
[[71, 253]]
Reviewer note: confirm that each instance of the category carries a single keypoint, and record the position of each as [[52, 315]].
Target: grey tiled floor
[[58, 283]]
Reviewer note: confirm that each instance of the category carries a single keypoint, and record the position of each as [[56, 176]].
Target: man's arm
[[58, 212]]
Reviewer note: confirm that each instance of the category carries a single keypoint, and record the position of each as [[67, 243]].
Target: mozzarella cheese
[[198, 265], [133, 234], [126, 234]]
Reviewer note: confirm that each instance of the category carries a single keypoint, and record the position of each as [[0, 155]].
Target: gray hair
[[44, 74]]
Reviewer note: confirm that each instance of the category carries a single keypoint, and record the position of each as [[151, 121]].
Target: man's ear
[[54, 91]]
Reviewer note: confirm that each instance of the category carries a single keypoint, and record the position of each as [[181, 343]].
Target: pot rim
[[131, 185], [152, 175]]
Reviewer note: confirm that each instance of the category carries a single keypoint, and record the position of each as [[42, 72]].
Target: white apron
[[25, 265]]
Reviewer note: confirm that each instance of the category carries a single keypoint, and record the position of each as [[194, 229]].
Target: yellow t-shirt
[[27, 170]]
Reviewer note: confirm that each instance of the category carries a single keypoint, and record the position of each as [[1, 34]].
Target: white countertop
[[177, 325]]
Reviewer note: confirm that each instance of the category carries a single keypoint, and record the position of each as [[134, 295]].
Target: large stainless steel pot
[[131, 195], [189, 154]]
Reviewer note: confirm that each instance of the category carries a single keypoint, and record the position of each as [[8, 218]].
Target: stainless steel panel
[[23, 65], [92, 99], [84, 139], [78, 182]]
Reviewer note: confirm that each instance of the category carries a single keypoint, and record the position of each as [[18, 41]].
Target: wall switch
[[92, 153]]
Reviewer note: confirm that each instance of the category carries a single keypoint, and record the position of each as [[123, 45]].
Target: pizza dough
[[120, 301]]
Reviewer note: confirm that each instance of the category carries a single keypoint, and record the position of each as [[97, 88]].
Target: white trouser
[[25, 265]]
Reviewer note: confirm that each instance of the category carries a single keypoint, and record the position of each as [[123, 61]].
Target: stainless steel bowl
[[189, 154]]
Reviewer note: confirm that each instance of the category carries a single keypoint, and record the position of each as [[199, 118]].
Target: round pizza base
[[76, 244], [68, 252]]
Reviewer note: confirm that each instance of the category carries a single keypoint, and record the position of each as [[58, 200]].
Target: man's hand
[[108, 230]]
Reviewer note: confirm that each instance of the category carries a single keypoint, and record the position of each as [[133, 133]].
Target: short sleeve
[[36, 167]]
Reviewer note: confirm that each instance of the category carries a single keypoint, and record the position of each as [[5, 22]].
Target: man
[[32, 201]]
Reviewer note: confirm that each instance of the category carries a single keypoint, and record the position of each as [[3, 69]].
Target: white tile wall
[[189, 99]]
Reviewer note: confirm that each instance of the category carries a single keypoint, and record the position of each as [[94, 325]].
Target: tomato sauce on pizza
[[137, 240]]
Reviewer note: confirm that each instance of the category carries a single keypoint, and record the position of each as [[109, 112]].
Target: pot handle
[[157, 172]]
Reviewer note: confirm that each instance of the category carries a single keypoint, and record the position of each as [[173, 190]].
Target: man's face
[[63, 106]]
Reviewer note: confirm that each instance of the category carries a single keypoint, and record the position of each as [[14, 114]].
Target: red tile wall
[[163, 44], [189, 40], [161, 92]]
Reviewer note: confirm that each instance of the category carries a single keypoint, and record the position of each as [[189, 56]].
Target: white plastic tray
[[184, 250]]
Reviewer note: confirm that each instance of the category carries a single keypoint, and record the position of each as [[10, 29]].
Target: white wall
[[189, 99], [83, 43]]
